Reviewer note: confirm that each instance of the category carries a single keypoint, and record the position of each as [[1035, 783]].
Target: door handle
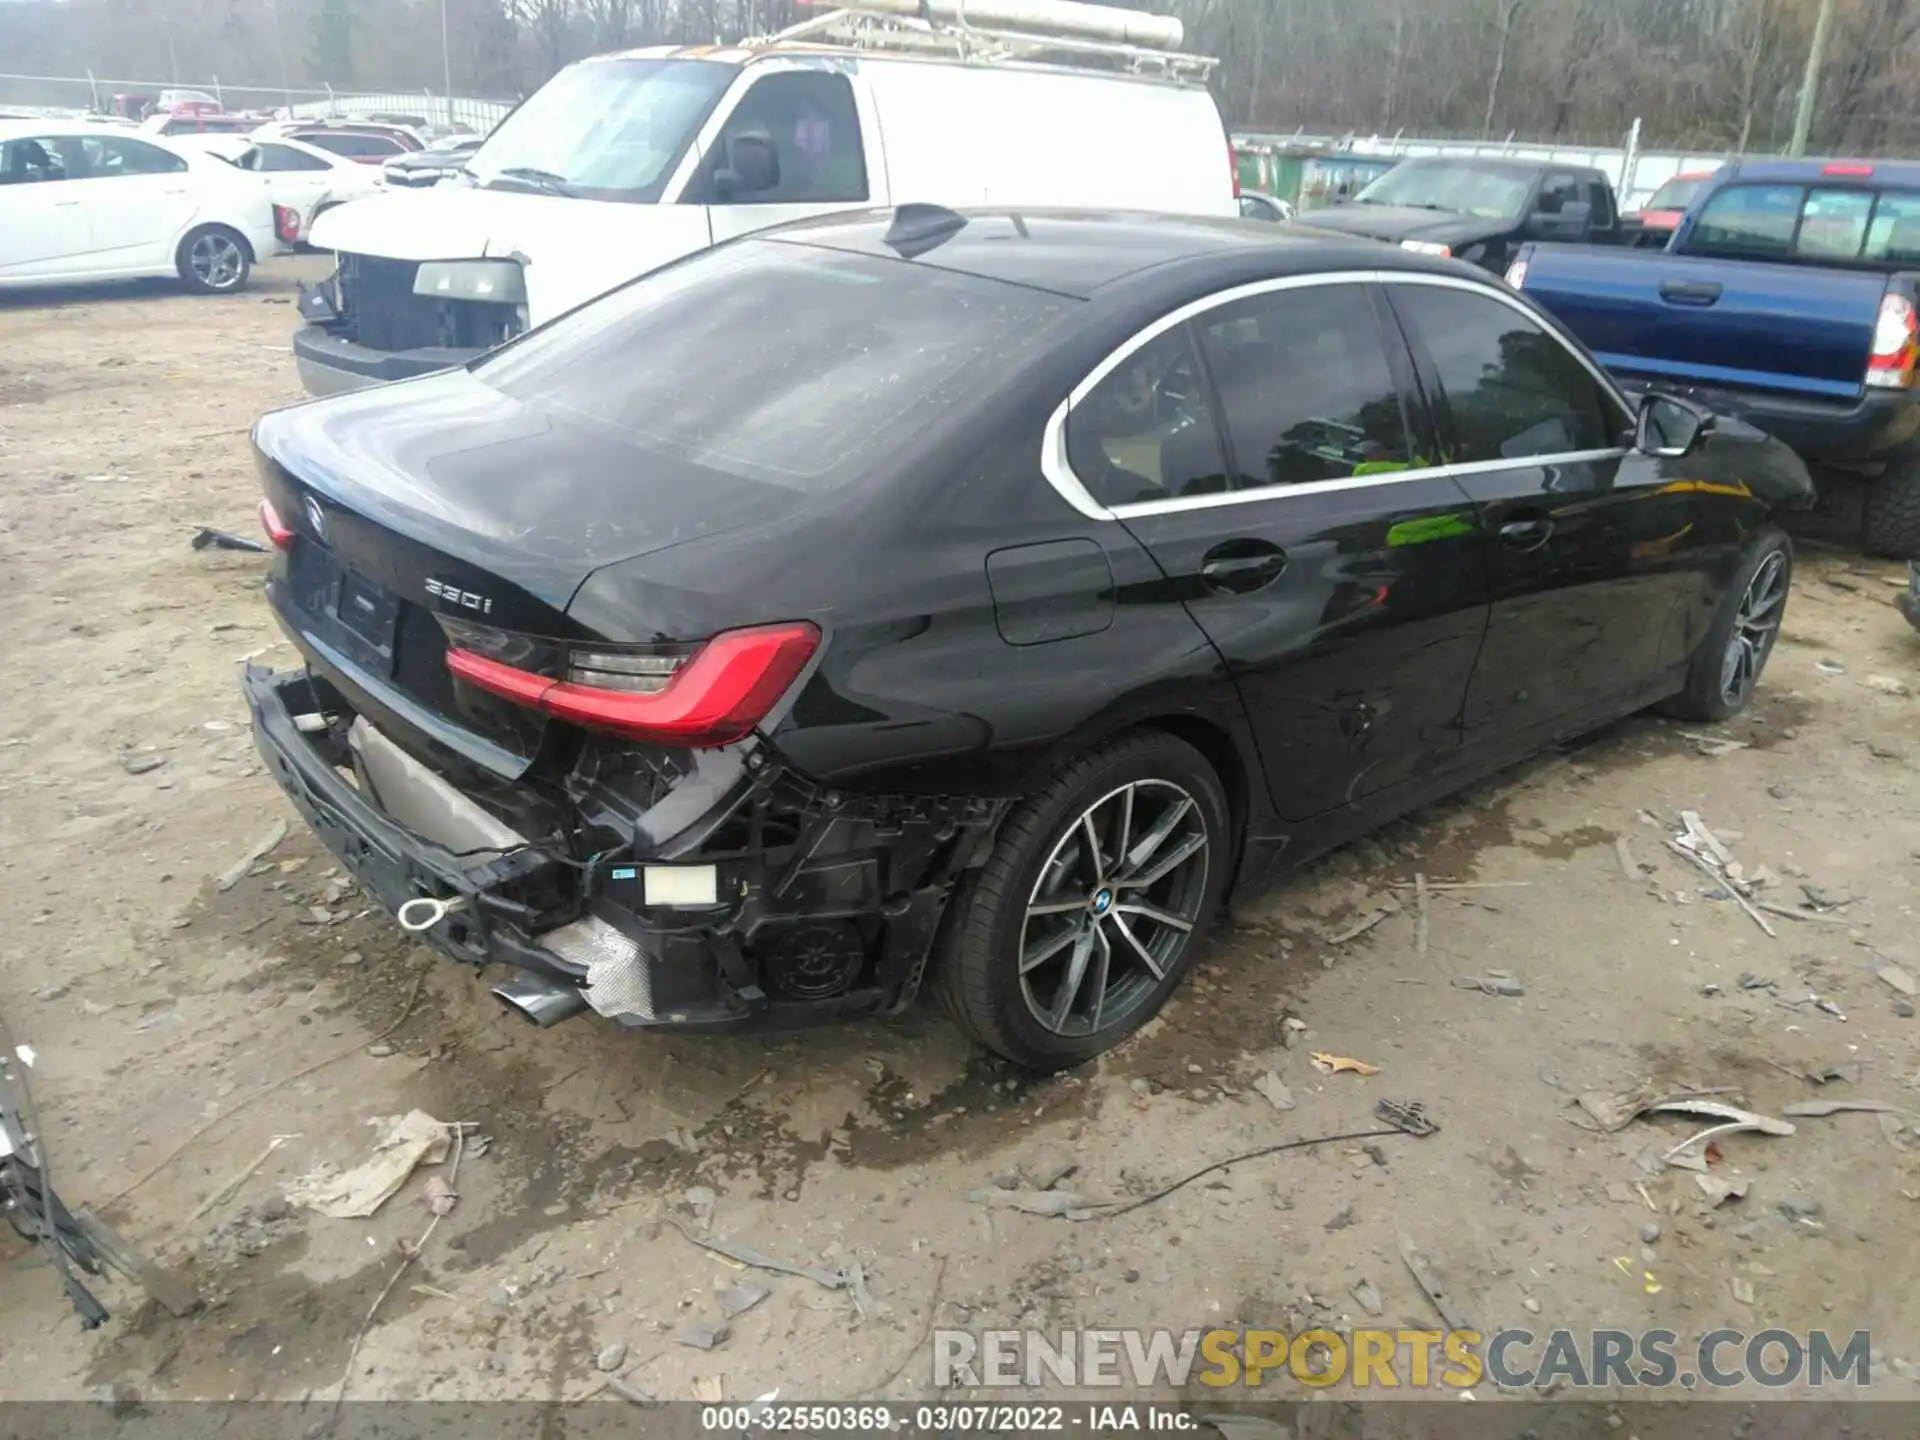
[[1690, 292], [65, 204], [1526, 534], [1241, 567], [177, 190]]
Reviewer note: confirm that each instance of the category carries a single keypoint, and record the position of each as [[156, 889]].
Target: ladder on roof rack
[[988, 30]]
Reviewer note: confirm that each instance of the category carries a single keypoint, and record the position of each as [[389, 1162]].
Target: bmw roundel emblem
[[316, 518]]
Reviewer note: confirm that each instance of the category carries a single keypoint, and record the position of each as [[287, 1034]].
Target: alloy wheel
[[1755, 623], [216, 260], [1113, 907]]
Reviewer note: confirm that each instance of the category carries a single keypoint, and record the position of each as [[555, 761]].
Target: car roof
[[1515, 164], [1798, 172], [1078, 253], [46, 129]]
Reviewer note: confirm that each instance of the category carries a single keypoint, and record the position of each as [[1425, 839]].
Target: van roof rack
[[1130, 41]]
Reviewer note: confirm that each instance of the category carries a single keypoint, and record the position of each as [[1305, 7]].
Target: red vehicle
[[1666, 206]]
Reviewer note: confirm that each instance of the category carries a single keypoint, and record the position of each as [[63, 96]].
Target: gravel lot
[[199, 1050]]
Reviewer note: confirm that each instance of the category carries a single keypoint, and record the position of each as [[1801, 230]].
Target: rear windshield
[[1676, 194], [778, 363]]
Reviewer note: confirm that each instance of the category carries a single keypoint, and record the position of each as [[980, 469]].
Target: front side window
[[777, 364], [1511, 390], [604, 129], [810, 120], [111, 157], [1304, 387], [1145, 433]]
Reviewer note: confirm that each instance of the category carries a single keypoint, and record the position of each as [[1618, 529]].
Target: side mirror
[[1669, 427], [748, 166], [1569, 222]]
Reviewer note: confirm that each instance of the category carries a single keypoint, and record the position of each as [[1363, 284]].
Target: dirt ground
[[198, 1049]]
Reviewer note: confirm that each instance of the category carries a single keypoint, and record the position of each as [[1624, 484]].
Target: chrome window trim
[[1053, 444]]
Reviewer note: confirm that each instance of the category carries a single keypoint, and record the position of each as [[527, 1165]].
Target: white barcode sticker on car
[[681, 885]]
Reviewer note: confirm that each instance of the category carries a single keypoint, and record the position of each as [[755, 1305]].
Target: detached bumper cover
[[329, 364]]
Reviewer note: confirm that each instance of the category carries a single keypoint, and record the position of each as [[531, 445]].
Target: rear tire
[[1890, 525], [213, 260], [1726, 668], [1106, 926]]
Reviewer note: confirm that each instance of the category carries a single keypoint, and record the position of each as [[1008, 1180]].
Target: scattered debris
[[1719, 1191], [701, 1200], [830, 1279], [1886, 685], [632, 1394], [208, 538], [857, 1289], [1334, 1064], [1794, 912], [736, 1300], [708, 1389], [1750, 981], [1364, 923], [1737, 1118], [238, 871], [1897, 979], [1818, 1109], [1274, 1090], [1368, 1295], [1032, 1202], [1429, 1282], [700, 1335], [1714, 746], [1622, 852], [1494, 982], [611, 1358], [1701, 848], [1742, 1289], [1342, 1218], [402, 1143], [1047, 1166], [437, 1195], [141, 762], [1420, 915], [1616, 1112], [1409, 1116]]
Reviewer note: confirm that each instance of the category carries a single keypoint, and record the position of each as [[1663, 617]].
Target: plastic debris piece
[[1274, 1090], [738, 1299], [402, 1143], [1333, 1064]]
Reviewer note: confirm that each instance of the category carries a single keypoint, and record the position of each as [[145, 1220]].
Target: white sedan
[[300, 177], [82, 202]]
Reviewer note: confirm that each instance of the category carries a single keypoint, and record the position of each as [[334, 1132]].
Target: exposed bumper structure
[[732, 893]]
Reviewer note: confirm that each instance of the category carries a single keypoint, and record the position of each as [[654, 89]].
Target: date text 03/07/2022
[[944, 1419]]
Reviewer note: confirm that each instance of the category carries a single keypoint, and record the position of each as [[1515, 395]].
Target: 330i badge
[[972, 600]]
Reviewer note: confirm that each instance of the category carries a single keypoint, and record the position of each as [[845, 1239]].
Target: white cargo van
[[623, 163]]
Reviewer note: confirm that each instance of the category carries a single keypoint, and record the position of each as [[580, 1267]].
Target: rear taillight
[[712, 696], [276, 529], [1896, 344], [286, 223]]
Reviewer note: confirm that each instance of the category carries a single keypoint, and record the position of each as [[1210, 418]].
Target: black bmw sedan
[[921, 599]]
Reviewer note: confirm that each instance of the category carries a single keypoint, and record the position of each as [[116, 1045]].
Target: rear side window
[[1145, 432], [1510, 390], [1304, 386], [1833, 223], [788, 365], [355, 146], [28, 161], [112, 157], [285, 157], [1749, 220], [1894, 234]]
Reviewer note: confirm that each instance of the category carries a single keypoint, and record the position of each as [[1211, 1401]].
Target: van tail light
[[1233, 168], [275, 527], [712, 696], [1896, 344], [286, 223]]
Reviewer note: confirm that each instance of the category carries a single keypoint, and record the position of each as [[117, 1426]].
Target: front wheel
[[1726, 668], [1092, 906], [213, 260]]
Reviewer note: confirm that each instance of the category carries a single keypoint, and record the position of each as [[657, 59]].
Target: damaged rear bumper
[[734, 894]]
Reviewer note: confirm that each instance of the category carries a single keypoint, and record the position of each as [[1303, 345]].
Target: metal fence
[[64, 94], [1634, 172]]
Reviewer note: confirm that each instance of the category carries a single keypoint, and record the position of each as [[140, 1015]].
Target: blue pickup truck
[[1786, 296]]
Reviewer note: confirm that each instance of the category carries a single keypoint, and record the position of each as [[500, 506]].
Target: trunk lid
[[441, 502]]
